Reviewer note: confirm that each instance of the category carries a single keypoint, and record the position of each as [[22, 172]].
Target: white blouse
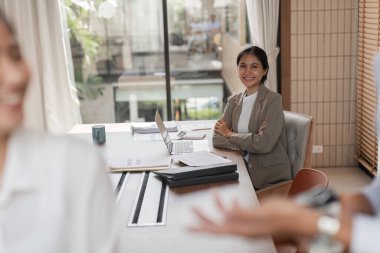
[[55, 196], [246, 110]]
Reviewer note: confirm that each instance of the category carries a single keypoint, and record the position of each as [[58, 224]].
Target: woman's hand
[[222, 128], [276, 217]]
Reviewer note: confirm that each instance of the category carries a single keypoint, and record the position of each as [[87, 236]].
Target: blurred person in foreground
[[355, 229], [54, 192]]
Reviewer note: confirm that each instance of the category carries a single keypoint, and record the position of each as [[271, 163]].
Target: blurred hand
[[276, 217], [356, 203], [351, 205]]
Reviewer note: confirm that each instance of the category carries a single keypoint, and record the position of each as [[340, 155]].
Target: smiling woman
[[51, 199], [253, 122], [14, 76]]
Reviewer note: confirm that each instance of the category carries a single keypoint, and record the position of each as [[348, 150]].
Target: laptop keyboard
[[183, 147]]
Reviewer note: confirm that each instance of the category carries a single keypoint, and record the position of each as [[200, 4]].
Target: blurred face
[[14, 77], [251, 72]]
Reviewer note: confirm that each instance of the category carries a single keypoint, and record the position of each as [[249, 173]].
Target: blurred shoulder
[[58, 152]]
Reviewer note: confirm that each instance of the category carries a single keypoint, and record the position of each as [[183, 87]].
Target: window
[[369, 42], [231, 11], [119, 58]]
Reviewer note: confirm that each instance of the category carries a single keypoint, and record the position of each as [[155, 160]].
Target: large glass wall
[[119, 58]]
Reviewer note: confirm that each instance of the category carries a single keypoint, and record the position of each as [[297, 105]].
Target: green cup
[[99, 134]]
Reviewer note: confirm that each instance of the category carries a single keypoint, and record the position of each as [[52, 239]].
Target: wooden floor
[[346, 179]]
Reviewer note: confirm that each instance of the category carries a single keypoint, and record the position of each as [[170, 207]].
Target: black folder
[[183, 176]]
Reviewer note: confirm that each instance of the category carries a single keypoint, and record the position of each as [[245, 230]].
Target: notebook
[[183, 176], [173, 147]]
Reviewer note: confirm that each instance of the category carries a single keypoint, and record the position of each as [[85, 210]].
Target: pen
[[198, 129]]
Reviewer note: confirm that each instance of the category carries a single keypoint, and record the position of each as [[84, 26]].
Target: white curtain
[[50, 104], [263, 16]]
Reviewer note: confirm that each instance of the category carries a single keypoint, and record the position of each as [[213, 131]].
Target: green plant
[[84, 47], [203, 114]]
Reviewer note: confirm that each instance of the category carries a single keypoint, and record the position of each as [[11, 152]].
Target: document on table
[[201, 145], [201, 158], [151, 127], [146, 163], [197, 127], [193, 135], [152, 137]]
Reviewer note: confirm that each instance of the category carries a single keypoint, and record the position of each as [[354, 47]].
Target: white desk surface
[[174, 236]]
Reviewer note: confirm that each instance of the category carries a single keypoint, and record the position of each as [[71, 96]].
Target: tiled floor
[[346, 179]]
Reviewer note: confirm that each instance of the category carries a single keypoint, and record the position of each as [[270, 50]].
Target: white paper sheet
[[197, 127], [201, 158], [145, 163], [152, 137], [201, 145], [151, 127]]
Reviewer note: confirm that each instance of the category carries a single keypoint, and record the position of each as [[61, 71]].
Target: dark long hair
[[259, 54]]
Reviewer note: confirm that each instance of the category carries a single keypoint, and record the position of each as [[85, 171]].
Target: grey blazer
[[265, 143]]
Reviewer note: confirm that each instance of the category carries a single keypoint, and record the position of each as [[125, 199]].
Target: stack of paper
[[139, 164], [151, 127], [184, 176], [201, 158], [203, 167]]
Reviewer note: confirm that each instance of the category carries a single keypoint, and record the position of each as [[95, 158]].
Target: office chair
[[305, 180], [298, 129]]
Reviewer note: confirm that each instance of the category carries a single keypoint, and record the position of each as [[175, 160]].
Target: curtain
[[366, 99], [49, 104], [263, 16]]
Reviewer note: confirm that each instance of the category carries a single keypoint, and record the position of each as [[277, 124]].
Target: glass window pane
[[195, 59], [118, 59]]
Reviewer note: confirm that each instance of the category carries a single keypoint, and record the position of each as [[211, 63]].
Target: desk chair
[[305, 180], [298, 129]]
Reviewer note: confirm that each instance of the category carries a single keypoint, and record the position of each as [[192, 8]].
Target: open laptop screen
[[162, 128]]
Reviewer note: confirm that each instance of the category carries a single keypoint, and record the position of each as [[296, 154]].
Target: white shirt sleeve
[[56, 197], [365, 228], [365, 234], [95, 204]]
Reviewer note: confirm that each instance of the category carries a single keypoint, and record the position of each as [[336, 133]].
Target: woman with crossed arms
[[355, 229], [253, 122]]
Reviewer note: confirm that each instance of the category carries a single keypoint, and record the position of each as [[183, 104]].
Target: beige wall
[[323, 57]]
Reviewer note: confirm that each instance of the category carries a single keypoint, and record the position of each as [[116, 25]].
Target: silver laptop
[[173, 147]]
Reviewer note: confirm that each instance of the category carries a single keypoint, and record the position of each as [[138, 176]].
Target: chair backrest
[[298, 128], [306, 179]]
